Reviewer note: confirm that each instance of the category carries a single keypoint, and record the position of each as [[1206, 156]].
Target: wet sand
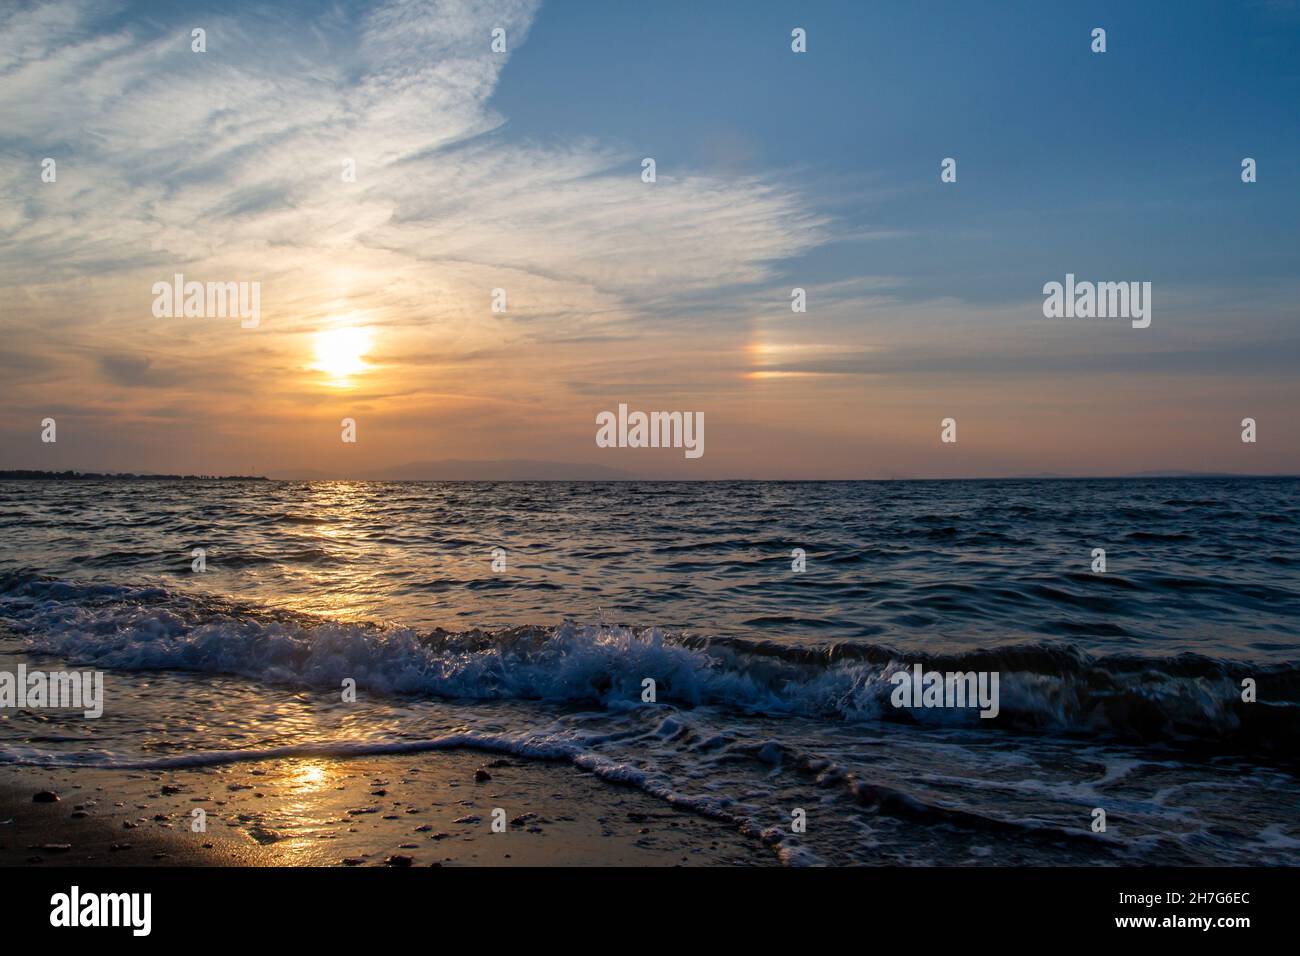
[[409, 810]]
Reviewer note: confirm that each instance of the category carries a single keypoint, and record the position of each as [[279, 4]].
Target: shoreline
[[429, 809]]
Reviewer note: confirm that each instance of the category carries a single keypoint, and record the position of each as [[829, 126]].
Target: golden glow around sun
[[340, 353]]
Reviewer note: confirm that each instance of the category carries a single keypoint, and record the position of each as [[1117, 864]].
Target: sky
[[522, 171]]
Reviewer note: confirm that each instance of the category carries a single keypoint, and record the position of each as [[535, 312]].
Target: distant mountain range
[[455, 469]]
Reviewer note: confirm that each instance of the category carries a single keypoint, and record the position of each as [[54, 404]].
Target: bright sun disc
[[340, 352]]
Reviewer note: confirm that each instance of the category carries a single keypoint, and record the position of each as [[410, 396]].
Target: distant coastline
[[24, 475]]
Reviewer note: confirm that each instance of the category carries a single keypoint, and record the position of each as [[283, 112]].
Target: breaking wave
[[1044, 686]]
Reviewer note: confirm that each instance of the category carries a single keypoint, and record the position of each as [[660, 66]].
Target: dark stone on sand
[[352, 861], [381, 792], [119, 846], [408, 846], [45, 796], [398, 859], [79, 814], [264, 836], [360, 810], [481, 775], [168, 789]]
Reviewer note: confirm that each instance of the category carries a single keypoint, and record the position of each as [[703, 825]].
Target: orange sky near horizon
[[377, 292]]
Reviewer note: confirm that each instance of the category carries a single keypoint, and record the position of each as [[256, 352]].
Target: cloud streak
[[230, 162]]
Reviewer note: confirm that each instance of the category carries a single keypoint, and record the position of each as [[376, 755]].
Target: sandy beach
[[415, 810]]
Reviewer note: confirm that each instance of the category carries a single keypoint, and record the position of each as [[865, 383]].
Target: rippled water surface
[[1120, 690], [1197, 565]]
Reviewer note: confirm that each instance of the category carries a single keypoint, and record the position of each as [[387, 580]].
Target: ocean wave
[[1044, 686]]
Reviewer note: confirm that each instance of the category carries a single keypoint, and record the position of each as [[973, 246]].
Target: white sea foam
[[739, 732], [153, 629]]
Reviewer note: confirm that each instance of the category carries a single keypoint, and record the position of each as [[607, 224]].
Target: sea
[[730, 648]]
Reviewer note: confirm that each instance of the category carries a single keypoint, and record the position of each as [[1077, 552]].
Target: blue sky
[[1062, 154], [521, 171]]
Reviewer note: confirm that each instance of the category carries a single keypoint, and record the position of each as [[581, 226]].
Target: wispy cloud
[[170, 159], [227, 166]]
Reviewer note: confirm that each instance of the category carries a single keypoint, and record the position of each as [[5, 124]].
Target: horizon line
[[72, 474]]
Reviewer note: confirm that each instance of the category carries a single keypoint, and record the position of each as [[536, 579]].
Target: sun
[[340, 353]]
